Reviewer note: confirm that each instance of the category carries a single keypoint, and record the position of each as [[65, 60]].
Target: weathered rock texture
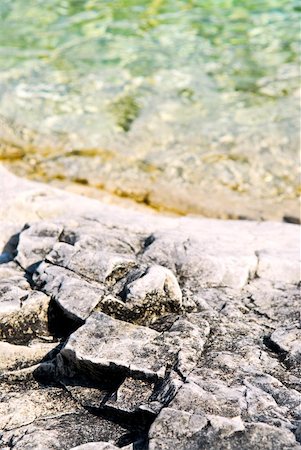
[[122, 329]]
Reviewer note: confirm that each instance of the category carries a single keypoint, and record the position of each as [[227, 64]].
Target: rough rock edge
[[223, 299]]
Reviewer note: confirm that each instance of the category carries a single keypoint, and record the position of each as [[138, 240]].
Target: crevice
[[79, 275], [67, 238], [52, 353], [28, 274], [132, 276], [223, 307], [136, 422], [148, 241], [59, 324], [275, 349], [246, 399], [23, 299], [209, 339], [291, 219], [256, 311], [257, 254], [11, 246]]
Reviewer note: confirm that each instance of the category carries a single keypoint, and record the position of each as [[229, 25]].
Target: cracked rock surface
[[122, 329]]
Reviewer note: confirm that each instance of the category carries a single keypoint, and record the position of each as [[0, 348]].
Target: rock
[[75, 296], [35, 242], [175, 429], [298, 433], [189, 335], [154, 294], [143, 300], [122, 327], [225, 426], [19, 356], [64, 432], [14, 288], [185, 431], [131, 395], [35, 418], [289, 398], [100, 446], [288, 341], [107, 345], [286, 270], [27, 322], [210, 396]]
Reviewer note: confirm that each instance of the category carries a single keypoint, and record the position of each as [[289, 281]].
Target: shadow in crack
[[59, 324], [274, 349], [9, 250], [137, 423], [93, 389]]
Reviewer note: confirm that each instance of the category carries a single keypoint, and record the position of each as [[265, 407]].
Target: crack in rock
[[121, 330]]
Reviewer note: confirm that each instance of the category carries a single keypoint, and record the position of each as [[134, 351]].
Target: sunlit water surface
[[187, 105]]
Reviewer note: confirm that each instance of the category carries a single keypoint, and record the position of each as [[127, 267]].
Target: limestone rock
[[19, 356], [225, 426], [100, 446], [175, 429], [288, 340], [154, 294], [28, 321], [120, 327], [186, 431], [76, 297], [106, 344], [35, 242]]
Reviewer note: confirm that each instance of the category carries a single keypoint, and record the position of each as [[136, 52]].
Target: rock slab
[[125, 329]]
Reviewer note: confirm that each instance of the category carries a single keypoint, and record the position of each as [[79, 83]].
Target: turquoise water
[[188, 105]]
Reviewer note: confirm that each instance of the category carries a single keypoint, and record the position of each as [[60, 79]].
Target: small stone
[[226, 426], [27, 322], [288, 340], [154, 294], [35, 243]]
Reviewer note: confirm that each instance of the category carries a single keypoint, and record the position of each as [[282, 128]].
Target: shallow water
[[187, 105]]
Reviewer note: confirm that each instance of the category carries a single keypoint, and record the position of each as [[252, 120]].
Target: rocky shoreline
[[127, 329]]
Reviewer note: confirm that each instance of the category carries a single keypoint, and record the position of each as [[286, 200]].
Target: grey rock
[[64, 431], [210, 396], [77, 297], [100, 446], [120, 326], [27, 316], [226, 426], [35, 242], [154, 294], [290, 398], [273, 268], [184, 431], [104, 343], [298, 433], [14, 288], [288, 340], [131, 395], [19, 356], [175, 429]]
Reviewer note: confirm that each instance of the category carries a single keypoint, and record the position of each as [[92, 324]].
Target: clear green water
[[185, 104]]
